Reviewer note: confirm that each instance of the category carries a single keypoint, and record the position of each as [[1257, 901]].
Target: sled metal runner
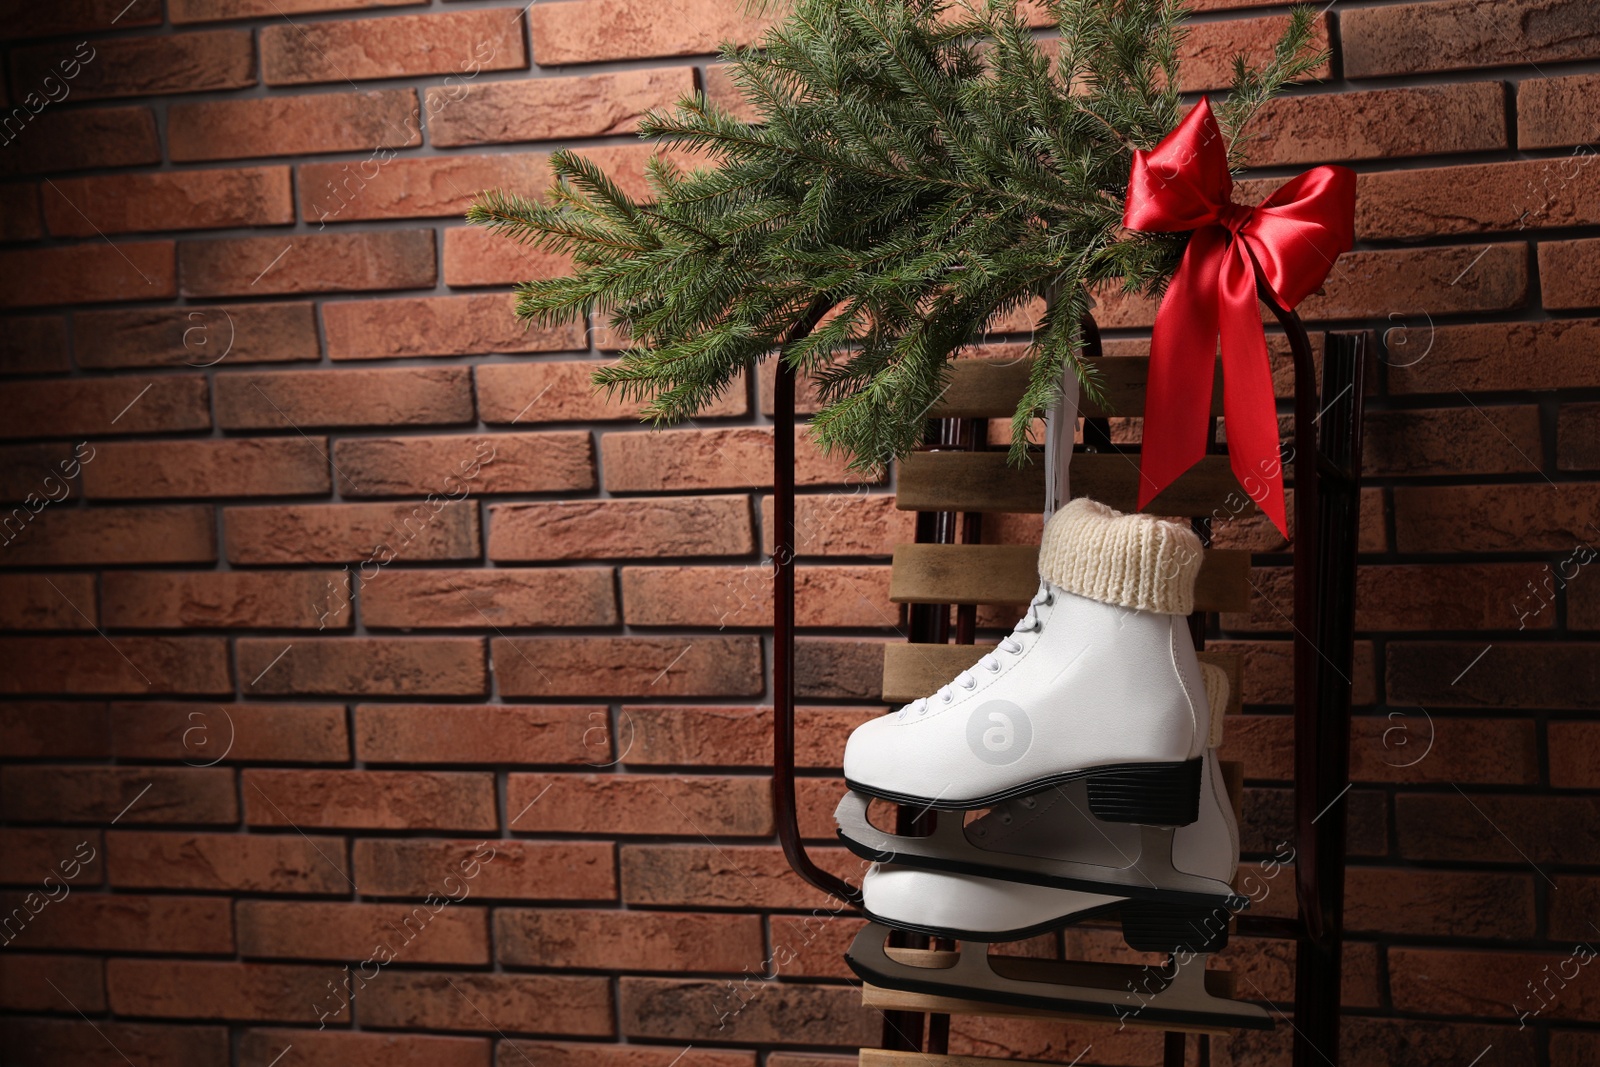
[[1326, 476]]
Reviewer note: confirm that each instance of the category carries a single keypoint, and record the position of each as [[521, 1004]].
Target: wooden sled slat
[[983, 481], [1008, 574], [917, 670], [991, 388]]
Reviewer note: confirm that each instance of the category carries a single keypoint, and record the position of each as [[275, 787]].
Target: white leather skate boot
[[1099, 681]]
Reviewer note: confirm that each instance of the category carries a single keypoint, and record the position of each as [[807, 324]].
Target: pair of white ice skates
[[1090, 732]]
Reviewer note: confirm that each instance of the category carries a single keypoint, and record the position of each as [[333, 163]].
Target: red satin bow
[[1290, 241]]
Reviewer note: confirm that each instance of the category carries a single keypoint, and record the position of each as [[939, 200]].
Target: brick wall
[[347, 628]]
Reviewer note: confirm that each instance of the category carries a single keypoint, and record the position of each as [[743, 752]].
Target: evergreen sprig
[[914, 168]]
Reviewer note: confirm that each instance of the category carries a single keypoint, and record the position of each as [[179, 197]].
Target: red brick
[[519, 870], [1478, 198], [1572, 904], [39, 475], [102, 536], [205, 990], [381, 800], [29, 856], [35, 344], [429, 931], [1367, 1041], [184, 11], [593, 1054], [158, 600], [369, 534], [302, 399], [438, 326], [644, 461], [1410, 746], [203, 733], [474, 256], [1455, 596], [724, 876], [263, 466], [51, 983], [139, 66], [1497, 828], [88, 273], [1574, 754], [77, 407], [502, 597], [742, 596], [1564, 273], [1500, 518], [1569, 1048], [1460, 34], [307, 263], [254, 863], [481, 733], [1556, 112], [1466, 675], [133, 665], [363, 666], [1497, 439], [54, 729], [47, 602], [196, 336], [731, 736], [331, 1048], [564, 391], [1440, 903], [1207, 51], [843, 524], [390, 187], [543, 109], [553, 1004], [839, 669], [547, 462], [20, 219], [606, 529], [84, 139], [1578, 437], [380, 119], [455, 42], [103, 1044], [85, 15], [628, 666], [123, 922], [1493, 984], [764, 1011], [587, 31], [678, 804], [1442, 280], [813, 946], [65, 793], [176, 200], [627, 941], [1486, 357]]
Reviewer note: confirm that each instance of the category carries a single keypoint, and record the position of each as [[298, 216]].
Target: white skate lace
[[967, 680]]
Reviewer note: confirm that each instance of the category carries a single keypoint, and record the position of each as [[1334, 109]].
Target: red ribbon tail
[[1249, 402], [1183, 346]]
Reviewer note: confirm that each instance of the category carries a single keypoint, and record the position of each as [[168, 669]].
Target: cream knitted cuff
[[1135, 561]]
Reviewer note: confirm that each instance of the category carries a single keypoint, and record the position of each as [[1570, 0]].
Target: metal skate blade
[[1186, 995], [1149, 875]]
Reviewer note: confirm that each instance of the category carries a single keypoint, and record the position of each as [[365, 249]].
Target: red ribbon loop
[[1290, 241]]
